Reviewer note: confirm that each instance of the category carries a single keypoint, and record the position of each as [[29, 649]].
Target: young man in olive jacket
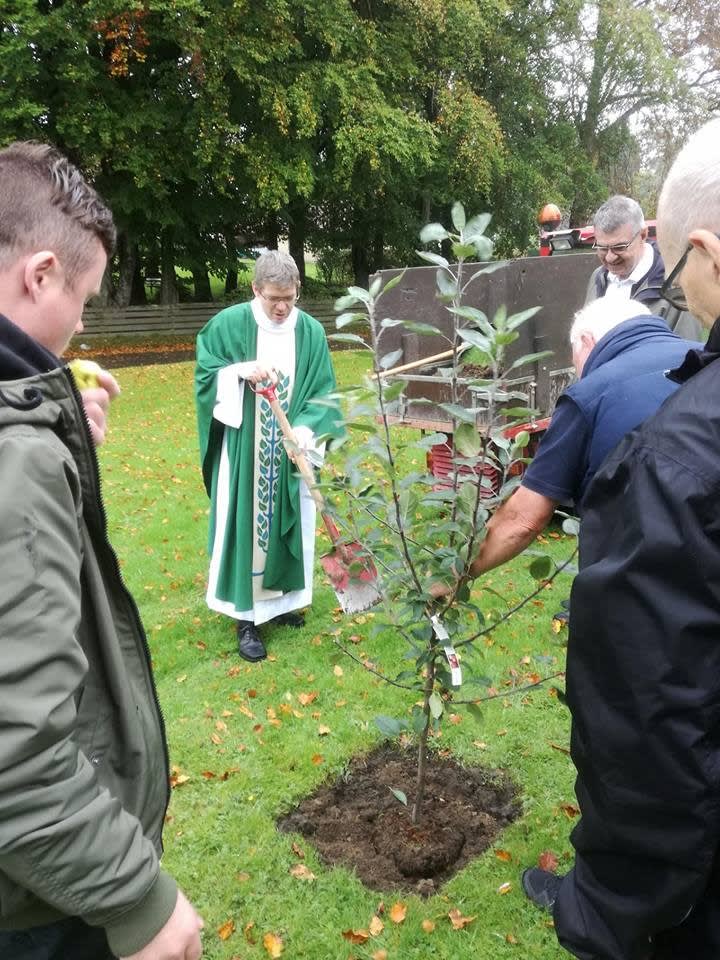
[[83, 757], [643, 670]]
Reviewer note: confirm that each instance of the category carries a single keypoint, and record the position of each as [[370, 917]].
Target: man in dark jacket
[[630, 266], [621, 354], [83, 758], [643, 672]]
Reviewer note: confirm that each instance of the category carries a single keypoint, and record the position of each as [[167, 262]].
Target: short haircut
[[600, 316], [618, 211], [690, 197], [278, 268], [46, 204]]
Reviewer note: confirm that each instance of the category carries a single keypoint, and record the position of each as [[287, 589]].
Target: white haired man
[[262, 521], [620, 353], [643, 671]]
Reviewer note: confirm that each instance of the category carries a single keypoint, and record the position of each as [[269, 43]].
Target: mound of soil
[[358, 821]]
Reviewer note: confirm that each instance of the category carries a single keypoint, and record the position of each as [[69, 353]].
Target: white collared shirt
[[622, 286]]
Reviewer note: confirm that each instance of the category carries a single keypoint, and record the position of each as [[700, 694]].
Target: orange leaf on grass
[[376, 926], [458, 921], [226, 929], [356, 936], [398, 911], [301, 872], [503, 855], [548, 861], [428, 926], [273, 944]]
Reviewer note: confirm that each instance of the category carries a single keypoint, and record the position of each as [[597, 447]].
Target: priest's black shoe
[[292, 619], [541, 886], [250, 646]]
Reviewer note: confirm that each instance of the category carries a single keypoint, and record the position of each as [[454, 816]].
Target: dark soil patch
[[141, 358], [359, 823]]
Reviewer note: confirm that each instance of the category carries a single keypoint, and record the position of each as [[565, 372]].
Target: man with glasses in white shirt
[[630, 266]]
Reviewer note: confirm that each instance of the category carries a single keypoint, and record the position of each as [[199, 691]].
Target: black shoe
[[291, 619], [541, 886], [250, 646]]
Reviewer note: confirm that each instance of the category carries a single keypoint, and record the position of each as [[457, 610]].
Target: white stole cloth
[[275, 349]]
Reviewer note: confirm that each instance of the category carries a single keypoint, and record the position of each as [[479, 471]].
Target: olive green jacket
[[83, 758]]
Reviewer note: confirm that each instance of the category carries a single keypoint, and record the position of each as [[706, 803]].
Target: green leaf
[[432, 258], [446, 283], [526, 413], [459, 413], [483, 247], [477, 225], [457, 215], [541, 568], [394, 390], [389, 725], [392, 282], [463, 250], [477, 339], [529, 358], [375, 286], [521, 440], [467, 440], [345, 319], [474, 710], [418, 719], [389, 359], [349, 338], [360, 294], [517, 319], [398, 794], [433, 233], [425, 328], [436, 706], [342, 303]]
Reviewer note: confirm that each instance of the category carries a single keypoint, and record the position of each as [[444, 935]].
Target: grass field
[[249, 741]]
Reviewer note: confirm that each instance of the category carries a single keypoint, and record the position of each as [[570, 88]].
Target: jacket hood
[[33, 385], [626, 335]]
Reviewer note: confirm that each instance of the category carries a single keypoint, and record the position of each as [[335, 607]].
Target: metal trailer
[[557, 285]]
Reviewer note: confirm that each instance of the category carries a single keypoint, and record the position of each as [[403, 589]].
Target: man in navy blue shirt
[[620, 353]]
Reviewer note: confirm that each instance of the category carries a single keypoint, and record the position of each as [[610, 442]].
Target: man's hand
[[96, 401], [179, 939], [260, 374]]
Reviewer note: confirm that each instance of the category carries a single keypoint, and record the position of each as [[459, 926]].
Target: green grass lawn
[[249, 741]]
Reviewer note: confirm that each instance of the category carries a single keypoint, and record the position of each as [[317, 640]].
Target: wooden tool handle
[[414, 364]]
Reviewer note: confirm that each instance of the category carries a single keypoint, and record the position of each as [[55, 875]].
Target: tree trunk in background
[[296, 234], [104, 298], [360, 265], [201, 283], [168, 280], [231, 276], [272, 229], [127, 262], [139, 293]]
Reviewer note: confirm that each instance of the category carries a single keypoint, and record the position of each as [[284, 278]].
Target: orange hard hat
[[550, 215]]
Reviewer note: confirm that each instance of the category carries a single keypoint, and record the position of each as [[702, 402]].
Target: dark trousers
[[65, 940]]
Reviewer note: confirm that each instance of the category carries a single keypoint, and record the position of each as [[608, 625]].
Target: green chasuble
[[229, 338]]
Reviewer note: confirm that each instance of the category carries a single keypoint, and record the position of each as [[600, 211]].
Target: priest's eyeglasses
[[290, 301]]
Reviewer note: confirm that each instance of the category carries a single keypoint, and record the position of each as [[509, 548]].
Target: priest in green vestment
[[262, 517]]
